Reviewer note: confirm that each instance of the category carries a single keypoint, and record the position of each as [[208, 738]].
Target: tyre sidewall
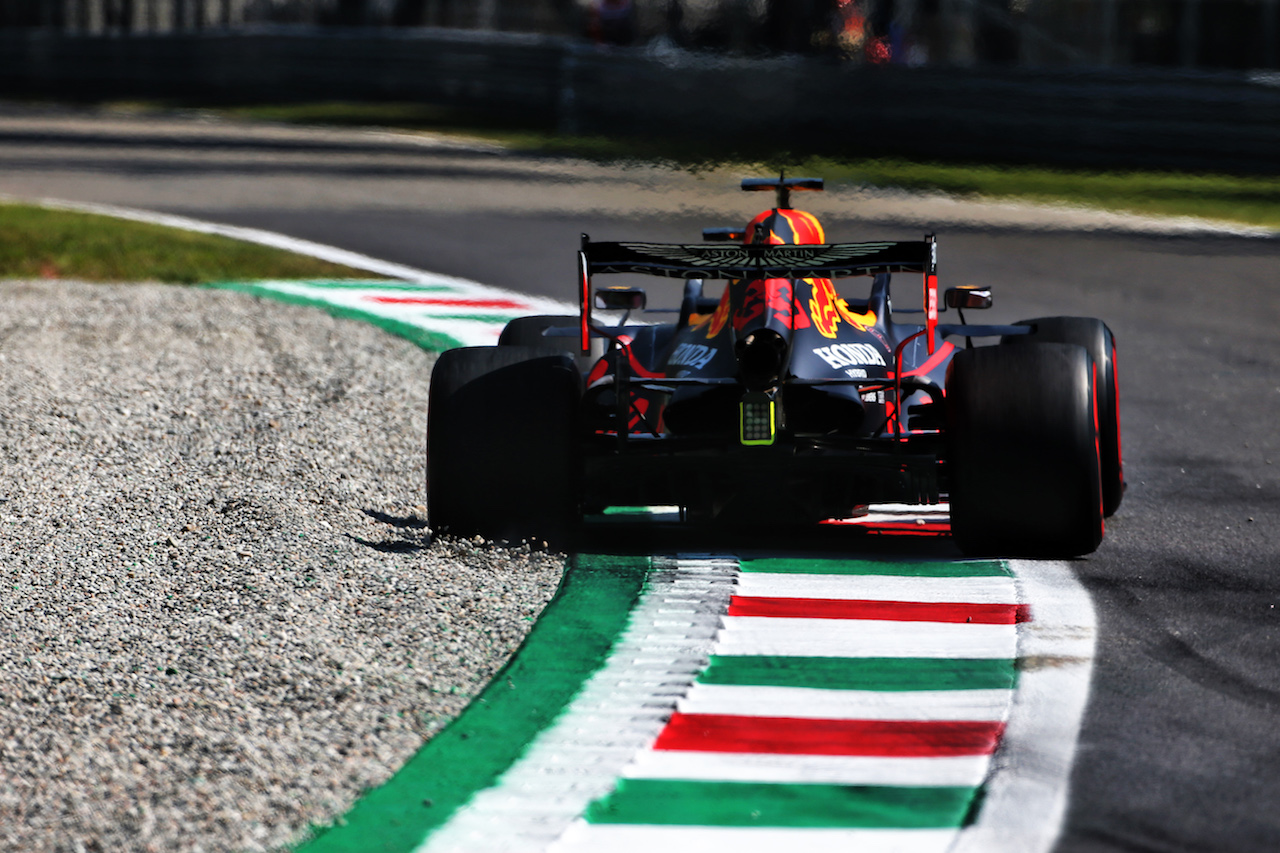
[[503, 455], [1099, 341], [1022, 451]]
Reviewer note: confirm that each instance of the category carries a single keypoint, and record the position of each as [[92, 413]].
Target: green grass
[[407, 116], [39, 243], [1252, 199], [1247, 199]]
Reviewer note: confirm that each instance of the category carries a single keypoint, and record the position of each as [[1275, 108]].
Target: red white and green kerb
[[836, 705], [438, 312]]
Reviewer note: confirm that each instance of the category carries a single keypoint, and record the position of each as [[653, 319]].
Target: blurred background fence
[[1205, 34], [1101, 83]]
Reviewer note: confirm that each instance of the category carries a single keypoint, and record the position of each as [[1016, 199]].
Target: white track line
[[333, 254]]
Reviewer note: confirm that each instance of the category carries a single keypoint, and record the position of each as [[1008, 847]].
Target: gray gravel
[[222, 614]]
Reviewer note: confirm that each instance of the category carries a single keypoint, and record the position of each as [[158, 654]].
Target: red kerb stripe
[[890, 611], [452, 303], [796, 736]]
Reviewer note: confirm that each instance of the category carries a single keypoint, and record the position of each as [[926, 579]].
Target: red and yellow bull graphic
[[773, 296], [786, 228], [824, 309], [827, 309], [721, 315]]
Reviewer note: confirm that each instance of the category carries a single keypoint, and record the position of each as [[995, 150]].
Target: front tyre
[[503, 457], [1022, 451]]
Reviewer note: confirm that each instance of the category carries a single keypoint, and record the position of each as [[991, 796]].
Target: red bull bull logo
[[786, 228], [720, 317], [827, 309], [772, 295]]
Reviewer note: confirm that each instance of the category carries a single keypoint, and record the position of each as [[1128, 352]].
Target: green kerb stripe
[[979, 568], [862, 673], [681, 803], [569, 641], [497, 319], [430, 341]]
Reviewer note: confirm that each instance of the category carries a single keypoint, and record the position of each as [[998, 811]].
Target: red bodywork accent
[[800, 736], [894, 412], [598, 372], [931, 309], [896, 528], [584, 298], [639, 406], [936, 359], [637, 369]]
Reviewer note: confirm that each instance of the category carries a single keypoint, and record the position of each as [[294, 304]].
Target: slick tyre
[[1100, 343], [1022, 451], [503, 458], [527, 332]]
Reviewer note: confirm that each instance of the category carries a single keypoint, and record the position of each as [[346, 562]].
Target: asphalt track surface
[[1180, 747]]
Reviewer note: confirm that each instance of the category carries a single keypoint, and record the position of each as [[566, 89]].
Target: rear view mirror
[[722, 235], [620, 298], [968, 296]]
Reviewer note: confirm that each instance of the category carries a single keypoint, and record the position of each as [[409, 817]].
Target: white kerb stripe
[[1026, 797], [606, 724], [979, 590], [623, 838], [840, 638], [959, 771], [811, 703]]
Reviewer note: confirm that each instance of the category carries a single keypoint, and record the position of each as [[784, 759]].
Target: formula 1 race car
[[779, 400]]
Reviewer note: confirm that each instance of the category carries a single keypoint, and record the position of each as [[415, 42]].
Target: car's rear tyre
[[1022, 451], [527, 332], [503, 456], [1100, 343]]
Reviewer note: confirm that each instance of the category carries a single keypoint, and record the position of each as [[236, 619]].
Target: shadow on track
[[847, 542]]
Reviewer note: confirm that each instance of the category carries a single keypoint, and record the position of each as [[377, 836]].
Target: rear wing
[[750, 261], [758, 261]]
